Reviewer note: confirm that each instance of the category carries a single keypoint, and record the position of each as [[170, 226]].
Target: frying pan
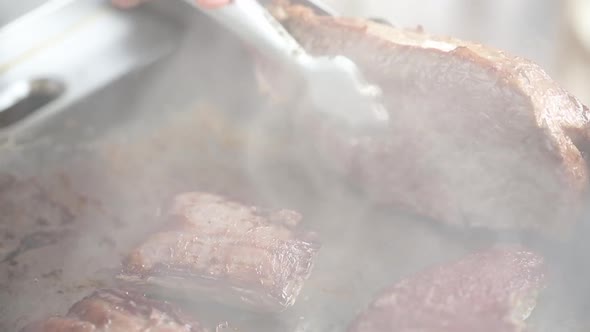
[[103, 130]]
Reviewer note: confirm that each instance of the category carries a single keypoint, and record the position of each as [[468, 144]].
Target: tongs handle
[[250, 21]]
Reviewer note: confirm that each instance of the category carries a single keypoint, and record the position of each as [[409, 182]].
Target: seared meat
[[117, 311], [238, 254], [493, 290], [477, 138]]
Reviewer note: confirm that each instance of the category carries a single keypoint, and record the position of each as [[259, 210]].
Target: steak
[[237, 254], [493, 290], [114, 310], [477, 137]]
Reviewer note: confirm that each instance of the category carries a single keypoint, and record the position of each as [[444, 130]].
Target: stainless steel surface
[[83, 44], [81, 182], [249, 20], [319, 6], [334, 85], [10, 10], [21, 99]]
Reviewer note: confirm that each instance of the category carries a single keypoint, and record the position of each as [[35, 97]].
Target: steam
[[463, 149], [197, 123]]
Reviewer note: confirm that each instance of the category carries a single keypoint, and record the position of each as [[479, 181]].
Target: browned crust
[[562, 122], [555, 111], [135, 304], [88, 314], [285, 252], [59, 324], [494, 290]]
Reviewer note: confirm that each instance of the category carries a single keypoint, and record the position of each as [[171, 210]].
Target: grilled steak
[[477, 138], [493, 290], [117, 311], [239, 255]]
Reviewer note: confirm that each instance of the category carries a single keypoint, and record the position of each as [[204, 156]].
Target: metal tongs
[[335, 85]]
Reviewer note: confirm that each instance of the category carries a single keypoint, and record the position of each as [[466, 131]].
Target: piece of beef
[[477, 137], [237, 254], [113, 310], [493, 290]]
